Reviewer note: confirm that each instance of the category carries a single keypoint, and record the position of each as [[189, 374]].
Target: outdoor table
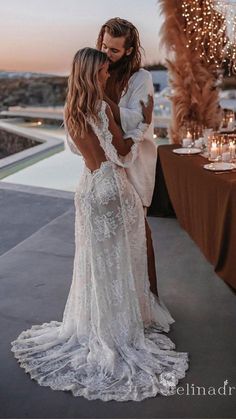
[[204, 203]]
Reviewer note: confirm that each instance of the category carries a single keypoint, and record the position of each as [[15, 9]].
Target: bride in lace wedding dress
[[110, 343]]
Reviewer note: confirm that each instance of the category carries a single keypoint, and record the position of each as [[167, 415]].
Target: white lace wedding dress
[[110, 343]]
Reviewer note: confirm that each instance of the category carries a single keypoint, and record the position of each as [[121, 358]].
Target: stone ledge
[[47, 146]]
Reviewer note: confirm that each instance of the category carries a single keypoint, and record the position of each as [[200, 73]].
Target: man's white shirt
[[142, 173]]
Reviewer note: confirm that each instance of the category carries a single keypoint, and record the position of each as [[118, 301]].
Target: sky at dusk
[[43, 35]]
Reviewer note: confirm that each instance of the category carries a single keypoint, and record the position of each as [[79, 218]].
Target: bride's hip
[[106, 185]]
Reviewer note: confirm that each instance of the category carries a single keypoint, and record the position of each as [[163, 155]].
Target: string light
[[210, 28]]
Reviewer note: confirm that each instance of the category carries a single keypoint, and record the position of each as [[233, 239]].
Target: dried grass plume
[[194, 80]]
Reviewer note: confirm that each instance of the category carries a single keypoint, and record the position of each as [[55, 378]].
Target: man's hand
[[148, 109]]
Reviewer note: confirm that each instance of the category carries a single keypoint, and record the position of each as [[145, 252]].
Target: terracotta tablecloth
[[204, 204]]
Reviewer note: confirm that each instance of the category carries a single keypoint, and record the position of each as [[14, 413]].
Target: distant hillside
[[15, 74], [31, 89]]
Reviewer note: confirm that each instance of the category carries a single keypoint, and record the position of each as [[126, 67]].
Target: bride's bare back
[[91, 150]]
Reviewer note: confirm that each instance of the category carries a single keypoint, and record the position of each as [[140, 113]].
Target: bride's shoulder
[[104, 116]]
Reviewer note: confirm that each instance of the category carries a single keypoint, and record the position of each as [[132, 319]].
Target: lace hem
[[134, 372]]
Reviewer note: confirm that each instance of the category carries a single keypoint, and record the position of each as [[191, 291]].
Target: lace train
[[134, 371]]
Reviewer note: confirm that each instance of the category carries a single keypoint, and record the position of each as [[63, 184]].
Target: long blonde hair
[[84, 92]]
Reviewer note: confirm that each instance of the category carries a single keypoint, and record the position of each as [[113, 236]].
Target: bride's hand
[[147, 109]]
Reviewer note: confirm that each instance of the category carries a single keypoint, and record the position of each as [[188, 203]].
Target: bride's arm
[[122, 146], [123, 143]]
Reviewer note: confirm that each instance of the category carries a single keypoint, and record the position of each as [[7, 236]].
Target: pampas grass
[[195, 99]]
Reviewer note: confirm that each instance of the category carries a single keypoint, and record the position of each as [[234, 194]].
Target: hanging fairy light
[[228, 10], [210, 29]]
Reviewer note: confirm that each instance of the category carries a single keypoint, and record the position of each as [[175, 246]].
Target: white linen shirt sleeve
[[140, 85]]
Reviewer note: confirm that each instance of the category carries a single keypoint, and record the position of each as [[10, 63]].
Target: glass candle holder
[[187, 139], [214, 152]]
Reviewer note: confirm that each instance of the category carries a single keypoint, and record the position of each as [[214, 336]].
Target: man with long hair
[[127, 86]]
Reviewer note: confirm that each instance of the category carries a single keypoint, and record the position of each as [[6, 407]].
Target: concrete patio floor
[[36, 262]]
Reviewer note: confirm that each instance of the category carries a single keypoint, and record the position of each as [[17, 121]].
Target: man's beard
[[118, 64], [114, 86]]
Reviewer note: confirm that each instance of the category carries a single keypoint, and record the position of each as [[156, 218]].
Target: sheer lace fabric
[[109, 344]]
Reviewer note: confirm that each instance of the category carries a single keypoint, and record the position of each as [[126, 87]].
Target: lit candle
[[189, 136], [214, 151]]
